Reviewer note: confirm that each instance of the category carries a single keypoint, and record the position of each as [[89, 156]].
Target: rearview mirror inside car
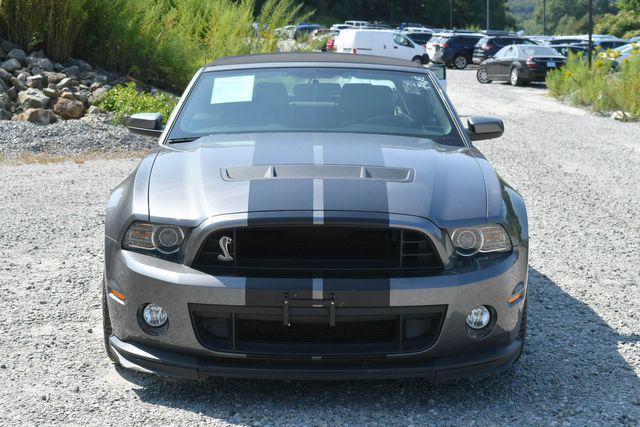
[[149, 124], [480, 128]]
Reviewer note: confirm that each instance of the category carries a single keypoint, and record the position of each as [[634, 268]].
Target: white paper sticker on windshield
[[232, 89]]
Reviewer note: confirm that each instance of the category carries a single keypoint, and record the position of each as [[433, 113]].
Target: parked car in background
[[416, 30], [489, 45], [564, 40], [622, 53], [453, 49], [341, 27], [404, 25], [357, 24], [604, 44], [566, 49], [419, 38], [379, 42], [302, 31], [542, 40], [520, 64]]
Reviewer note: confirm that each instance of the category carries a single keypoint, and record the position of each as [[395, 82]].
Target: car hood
[[215, 175]]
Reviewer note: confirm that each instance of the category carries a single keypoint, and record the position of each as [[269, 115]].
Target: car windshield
[[530, 50], [315, 100]]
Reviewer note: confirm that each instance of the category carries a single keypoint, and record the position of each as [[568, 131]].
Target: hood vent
[[379, 173]]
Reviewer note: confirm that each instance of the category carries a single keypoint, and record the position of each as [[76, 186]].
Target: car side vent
[[417, 250]]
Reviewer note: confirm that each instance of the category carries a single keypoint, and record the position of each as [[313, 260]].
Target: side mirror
[[145, 124], [480, 128]]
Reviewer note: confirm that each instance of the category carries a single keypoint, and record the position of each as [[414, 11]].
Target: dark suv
[[454, 50], [490, 45]]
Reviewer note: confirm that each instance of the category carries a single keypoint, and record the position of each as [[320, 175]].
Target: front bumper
[[180, 351], [150, 359]]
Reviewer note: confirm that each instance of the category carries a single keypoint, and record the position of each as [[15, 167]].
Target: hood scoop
[[379, 173]]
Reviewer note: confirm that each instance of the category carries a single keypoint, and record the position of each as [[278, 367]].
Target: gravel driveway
[[579, 174]]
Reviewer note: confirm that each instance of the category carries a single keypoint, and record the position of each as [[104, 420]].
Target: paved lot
[[579, 174]]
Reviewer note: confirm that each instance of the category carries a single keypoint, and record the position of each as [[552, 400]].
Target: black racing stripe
[[365, 196], [279, 195]]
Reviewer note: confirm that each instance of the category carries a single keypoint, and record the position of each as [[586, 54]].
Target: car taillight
[[446, 45], [354, 51], [531, 63]]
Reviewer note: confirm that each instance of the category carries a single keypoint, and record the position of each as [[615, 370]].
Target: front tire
[[460, 62], [483, 76], [106, 326], [515, 79], [418, 60]]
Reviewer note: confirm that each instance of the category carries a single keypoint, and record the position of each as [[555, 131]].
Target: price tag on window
[[232, 89]]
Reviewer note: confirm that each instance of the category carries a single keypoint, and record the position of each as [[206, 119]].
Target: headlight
[[468, 241], [165, 239]]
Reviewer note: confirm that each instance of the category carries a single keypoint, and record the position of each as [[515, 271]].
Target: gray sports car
[[315, 216]]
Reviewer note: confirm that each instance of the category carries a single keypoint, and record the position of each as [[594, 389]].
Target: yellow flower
[[599, 63], [568, 74]]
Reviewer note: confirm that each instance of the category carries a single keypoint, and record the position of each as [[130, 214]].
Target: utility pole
[[451, 14], [544, 17], [590, 31], [487, 15]]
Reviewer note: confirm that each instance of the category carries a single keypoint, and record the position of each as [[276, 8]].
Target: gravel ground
[[89, 135], [579, 175]]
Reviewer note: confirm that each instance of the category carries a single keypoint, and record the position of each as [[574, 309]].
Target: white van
[[381, 43], [357, 24]]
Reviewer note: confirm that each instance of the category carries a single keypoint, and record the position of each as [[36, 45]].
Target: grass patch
[[127, 99], [600, 87]]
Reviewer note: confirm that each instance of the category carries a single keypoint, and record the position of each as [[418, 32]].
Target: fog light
[[479, 317], [154, 315]]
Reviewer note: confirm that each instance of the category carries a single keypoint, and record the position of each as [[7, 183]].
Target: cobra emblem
[[225, 242]]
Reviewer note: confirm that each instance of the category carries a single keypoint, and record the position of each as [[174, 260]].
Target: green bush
[[600, 87], [163, 41], [55, 25], [127, 99]]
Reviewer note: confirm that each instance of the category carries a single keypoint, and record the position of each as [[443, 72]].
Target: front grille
[[308, 331], [374, 331], [319, 251]]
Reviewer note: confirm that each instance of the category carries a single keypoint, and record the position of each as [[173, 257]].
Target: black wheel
[[482, 75], [417, 60], [460, 62], [106, 326], [522, 333], [514, 78]]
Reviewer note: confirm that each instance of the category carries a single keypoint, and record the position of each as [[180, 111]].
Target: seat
[[360, 102]]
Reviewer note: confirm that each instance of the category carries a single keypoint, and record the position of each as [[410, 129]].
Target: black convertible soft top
[[312, 57]]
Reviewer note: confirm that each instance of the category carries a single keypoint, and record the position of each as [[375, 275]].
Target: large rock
[[4, 114], [11, 65], [73, 71], [33, 98], [36, 82], [3, 87], [36, 115], [50, 92], [69, 109], [18, 54], [5, 101], [42, 63], [97, 95], [5, 75], [8, 46], [67, 82], [53, 77]]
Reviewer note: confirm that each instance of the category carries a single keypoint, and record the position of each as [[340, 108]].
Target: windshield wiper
[[179, 140]]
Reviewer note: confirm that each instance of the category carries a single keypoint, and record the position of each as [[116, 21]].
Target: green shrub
[[163, 41], [127, 99], [599, 87], [55, 25]]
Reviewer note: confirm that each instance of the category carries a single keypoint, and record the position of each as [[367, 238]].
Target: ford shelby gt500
[[315, 216]]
